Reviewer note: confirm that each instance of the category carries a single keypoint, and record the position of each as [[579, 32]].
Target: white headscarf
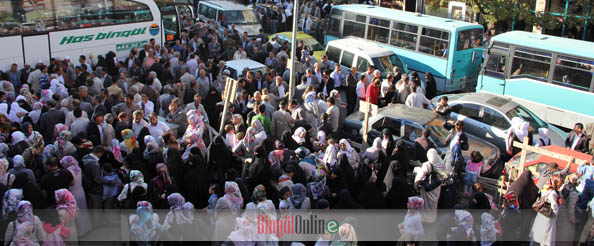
[[14, 110], [297, 135], [373, 152], [519, 128], [543, 134], [330, 155], [18, 137]]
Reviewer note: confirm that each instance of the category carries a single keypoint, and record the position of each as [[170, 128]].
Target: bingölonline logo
[[296, 225]]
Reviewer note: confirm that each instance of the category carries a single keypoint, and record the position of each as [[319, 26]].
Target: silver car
[[407, 123], [489, 117]]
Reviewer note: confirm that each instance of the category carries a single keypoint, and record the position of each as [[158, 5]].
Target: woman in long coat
[[544, 229], [431, 198]]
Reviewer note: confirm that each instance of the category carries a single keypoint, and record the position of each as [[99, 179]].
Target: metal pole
[[587, 17], [564, 18], [294, 50]]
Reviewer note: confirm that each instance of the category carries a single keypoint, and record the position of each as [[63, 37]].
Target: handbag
[[431, 181], [543, 207]]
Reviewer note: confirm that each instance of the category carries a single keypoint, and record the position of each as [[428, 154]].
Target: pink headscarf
[[117, 152], [59, 128], [65, 200], [70, 163], [416, 202], [233, 195]]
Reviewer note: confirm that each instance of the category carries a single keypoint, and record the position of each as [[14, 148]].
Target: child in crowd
[[284, 195], [230, 139], [473, 170], [411, 229]]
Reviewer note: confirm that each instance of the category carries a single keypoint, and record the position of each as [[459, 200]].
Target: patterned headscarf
[[59, 128], [65, 200], [136, 177], [257, 125], [129, 139], [233, 195], [176, 205], [299, 135], [71, 164], [318, 184], [25, 212], [250, 138], [140, 222], [63, 138], [3, 167], [115, 149], [10, 201], [416, 203], [464, 219], [149, 139], [259, 192], [488, 230]]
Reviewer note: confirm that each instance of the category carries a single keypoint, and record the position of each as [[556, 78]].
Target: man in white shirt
[[80, 123], [361, 87], [138, 123], [192, 64], [337, 75], [416, 99], [196, 105], [156, 127], [146, 105]]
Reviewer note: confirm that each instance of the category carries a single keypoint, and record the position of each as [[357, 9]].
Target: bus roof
[[360, 46], [547, 42], [227, 5], [408, 17]]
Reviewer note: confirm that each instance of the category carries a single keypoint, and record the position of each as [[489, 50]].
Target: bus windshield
[[528, 116], [242, 17], [386, 63]]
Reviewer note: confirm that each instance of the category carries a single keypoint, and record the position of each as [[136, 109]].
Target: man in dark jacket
[[92, 171], [49, 119], [95, 129], [56, 178], [577, 140], [327, 83]]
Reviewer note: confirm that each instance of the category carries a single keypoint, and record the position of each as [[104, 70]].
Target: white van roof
[[226, 5], [240, 64], [360, 46]]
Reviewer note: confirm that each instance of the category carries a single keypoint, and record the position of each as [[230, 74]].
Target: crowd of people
[[141, 133]]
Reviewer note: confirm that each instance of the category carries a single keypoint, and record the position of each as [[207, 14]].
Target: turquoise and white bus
[[451, 50], [38, 30], [552, 76]]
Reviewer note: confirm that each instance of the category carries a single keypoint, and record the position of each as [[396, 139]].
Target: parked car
[[310, 42], [235, 67], [407, 123], [537, 163], [489, 117], [226, 13]]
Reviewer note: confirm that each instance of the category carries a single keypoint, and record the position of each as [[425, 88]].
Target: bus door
[[36, 48], [493, 78]]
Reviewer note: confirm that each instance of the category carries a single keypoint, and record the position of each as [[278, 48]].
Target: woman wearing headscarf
[[317, 188], [261, 135], [144, 225], [130, 142], [288, 140], [193, 139], [19, 167], [32, 155], [227, 209], [258, 197], [411, 228], [330, 154], [219, 156], [517, 132], [300, 138], [30, 191], [488, 230], [177, 223], [163, 183], [19, 142], [299, 200], [6, 178], [544, 229], [246, 146], [351, 154], [401, 154], [63, 144], [431, 198], [543, 138], [566, 221], [370, 196], [36, 113], [10, 201], [399, 189], [152, 156], [197, 180], [258, 171], [68, 211], [30, 134], [462, 233], [83, 221], [134, 190], [348, 236], [26, 229], [16, 111]]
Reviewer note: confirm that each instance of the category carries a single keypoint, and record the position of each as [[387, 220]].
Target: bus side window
[[496, 66]]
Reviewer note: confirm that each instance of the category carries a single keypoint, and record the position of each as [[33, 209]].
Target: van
[[225, 13], [236, 67], [353, 51]]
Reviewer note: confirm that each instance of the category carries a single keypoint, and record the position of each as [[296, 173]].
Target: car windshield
[[240, 17], [312, 44], [386, 63], [438, 132], [528, 116]]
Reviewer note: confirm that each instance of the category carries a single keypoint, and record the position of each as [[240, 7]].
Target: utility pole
[[294, 50]]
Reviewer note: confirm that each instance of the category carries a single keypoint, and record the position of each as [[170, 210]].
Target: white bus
[[38, 30]]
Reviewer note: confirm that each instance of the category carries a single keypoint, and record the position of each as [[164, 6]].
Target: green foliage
[[493, 11]]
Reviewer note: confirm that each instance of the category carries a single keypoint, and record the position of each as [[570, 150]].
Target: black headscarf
[[479, 201], [258, 171], [401, 190], [346, 201], [196, 182], [402, 156], [210, 105], [287, 139], [219, 156], [349, 174]]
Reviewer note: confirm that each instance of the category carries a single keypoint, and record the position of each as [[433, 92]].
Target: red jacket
[[372, 94]]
